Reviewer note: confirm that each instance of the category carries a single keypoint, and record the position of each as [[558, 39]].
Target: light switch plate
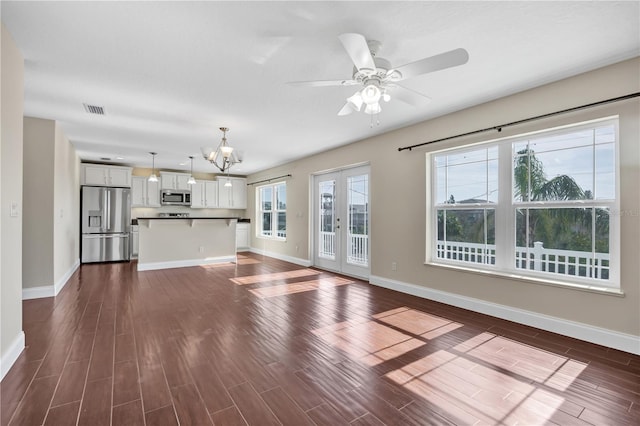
[[14, 209]]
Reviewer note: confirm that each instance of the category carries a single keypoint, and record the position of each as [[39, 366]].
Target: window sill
[[533, 280]]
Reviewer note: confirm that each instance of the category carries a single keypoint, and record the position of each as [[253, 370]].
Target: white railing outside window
[[537, 258]]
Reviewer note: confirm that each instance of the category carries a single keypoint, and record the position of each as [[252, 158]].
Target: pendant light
[[191, 180], [152, 176]]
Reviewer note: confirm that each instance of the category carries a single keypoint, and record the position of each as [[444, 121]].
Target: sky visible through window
[[587, 156]]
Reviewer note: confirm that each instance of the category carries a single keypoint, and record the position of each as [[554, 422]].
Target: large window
[[539, 205], [272, 211]]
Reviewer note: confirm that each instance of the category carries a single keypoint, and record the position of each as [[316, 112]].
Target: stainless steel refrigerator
[[106, 224]]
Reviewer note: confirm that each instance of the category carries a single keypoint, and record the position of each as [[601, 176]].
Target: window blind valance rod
[[269, 180], [526, 120]]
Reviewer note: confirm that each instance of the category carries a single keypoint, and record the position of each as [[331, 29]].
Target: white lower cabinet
[[134, 240], [242, 236], [204, 194]]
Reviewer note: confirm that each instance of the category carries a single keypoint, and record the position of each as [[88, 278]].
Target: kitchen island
[[176, 242]]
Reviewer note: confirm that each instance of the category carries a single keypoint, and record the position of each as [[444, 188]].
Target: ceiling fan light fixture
[[373, 109], [386, 96], [355, 101], [371, 94]]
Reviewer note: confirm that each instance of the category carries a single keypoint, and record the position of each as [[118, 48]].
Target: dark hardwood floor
[[266, 342]]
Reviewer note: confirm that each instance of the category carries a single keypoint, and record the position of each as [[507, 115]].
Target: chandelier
[[222, 157]]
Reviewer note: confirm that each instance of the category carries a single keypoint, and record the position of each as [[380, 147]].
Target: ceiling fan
[[378, 78]]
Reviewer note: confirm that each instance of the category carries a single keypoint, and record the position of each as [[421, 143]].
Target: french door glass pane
[[358, 220], [327, 236]]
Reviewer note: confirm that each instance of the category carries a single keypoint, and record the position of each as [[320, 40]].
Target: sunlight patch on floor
[[462, 380], [284, 289], [254, 279], [418, 323]]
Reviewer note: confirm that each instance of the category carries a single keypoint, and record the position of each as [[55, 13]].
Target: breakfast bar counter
[[175, 242]]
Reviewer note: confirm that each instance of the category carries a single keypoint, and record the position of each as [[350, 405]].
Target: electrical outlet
[[394, 266]]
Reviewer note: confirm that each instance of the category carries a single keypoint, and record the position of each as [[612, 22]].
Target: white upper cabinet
[[153, 194], [100, 175], [170, 180], [234, 196], [204, 194], [144, 193]]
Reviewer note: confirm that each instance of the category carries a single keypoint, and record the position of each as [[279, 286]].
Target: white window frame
[[275, 212], [505, 209]]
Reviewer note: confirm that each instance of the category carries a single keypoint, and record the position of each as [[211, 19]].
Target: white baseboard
[[589, 333], [150, 266], [49, 290], [9, 358], [290, 259]]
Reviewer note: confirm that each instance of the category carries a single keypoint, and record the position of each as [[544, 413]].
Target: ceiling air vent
[[92, 109]]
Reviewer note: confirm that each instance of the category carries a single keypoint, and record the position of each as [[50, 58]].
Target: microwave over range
[[171, 197]]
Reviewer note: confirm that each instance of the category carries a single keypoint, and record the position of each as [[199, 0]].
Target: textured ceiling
[[169, 74]]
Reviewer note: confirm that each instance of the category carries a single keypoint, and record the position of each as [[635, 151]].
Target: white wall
[[398, 200], [11, 110], [66, 208], [38, 194], [51, 195]]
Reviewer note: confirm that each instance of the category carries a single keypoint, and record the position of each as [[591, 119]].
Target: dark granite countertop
[[186, 218]]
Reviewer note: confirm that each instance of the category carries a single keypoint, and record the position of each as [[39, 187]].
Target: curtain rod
[[269, 180], [537, 117]]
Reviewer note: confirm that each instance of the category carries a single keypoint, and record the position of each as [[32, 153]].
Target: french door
[[342, 222]]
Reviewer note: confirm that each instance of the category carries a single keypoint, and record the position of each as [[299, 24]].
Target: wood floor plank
[[71, 383], [211, 388], [129, 414], [326, 415], [96, 404], [285, 409], [164, 416], [35, 403], [125, 382], [63, 415], [189, 406], [251, 406], [228, 417], [268, 342]]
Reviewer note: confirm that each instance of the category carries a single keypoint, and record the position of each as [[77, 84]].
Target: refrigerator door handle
[[104, 236], [109, 210]]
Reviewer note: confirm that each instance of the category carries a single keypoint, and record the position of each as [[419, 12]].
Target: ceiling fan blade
[[346, 109], [409, 96], [453, 58], [322, 83], [358, 50]]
